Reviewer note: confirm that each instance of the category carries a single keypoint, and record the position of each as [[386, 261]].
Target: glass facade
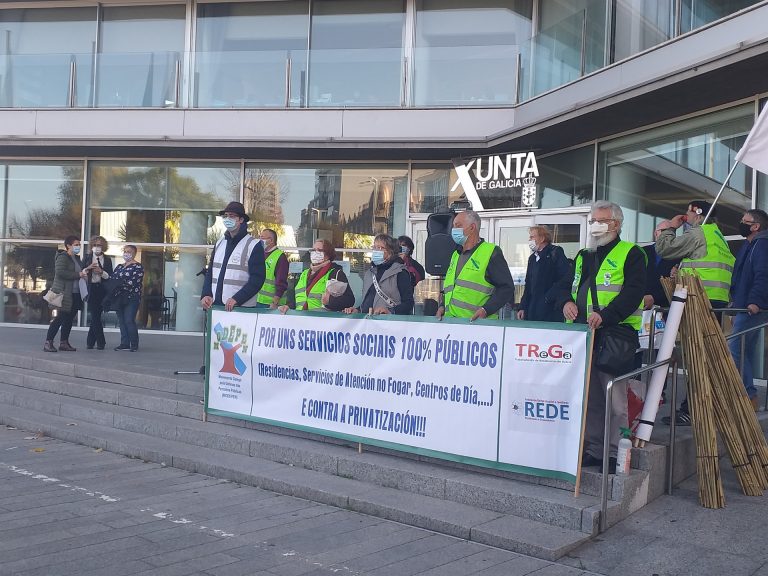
[[325, 53], [654, 174]]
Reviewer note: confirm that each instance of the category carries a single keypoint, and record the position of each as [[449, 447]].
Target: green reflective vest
[[313, 300], [609, 281], [267, 292], [716, 267], [468, 291]]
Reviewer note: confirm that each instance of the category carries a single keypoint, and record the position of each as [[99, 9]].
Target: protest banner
[[494, 394]]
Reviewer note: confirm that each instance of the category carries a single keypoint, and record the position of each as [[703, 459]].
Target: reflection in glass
[[37, 47], [642, 25], [159, 202], [243, 50], [657, 172], [27, 271], [465, 52], [356, 56], [431, 188], [696, 13], [565, 179], [347, 204], [40, 200], [139, 74]]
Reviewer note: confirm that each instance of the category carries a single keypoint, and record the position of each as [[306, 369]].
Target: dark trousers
[[96, 329], [126, 316], [64, 319]]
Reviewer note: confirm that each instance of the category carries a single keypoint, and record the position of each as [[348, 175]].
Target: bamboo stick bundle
[[700, 402], [725, 399], [728, 387]]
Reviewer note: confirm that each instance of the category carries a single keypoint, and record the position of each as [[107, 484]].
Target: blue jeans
[[741, 322], [126, 316]]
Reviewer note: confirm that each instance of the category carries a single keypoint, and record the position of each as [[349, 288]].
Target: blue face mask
[[75, 250], [458, 236], [377, 257], [686, 226], [229, 223]]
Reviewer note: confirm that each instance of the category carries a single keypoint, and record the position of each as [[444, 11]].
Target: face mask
[[745, 229], [316, 256], [335, 288], [229, 223], [75, 250], [686, 226], [377, 257], [127, 256], [97, 250], [458, 236], [404, 250], [532, 245], [264, 244], [598, 229]]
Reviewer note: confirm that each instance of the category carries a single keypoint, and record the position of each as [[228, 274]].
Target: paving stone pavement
[[67, 509]]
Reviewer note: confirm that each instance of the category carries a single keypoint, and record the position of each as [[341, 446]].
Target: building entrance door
[[510, 233]]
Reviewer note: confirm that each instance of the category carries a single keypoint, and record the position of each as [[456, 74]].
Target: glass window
[[140, 73], [27, 271], [431, 186], [37, 49], [561, 51], [160, 202], [356, 56], [244, 49], [654, 174], [641, 25], [466, 51], [565, 179], [696, 13], [41, 201]]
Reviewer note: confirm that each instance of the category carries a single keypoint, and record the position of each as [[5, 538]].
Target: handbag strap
[[390, 303], [593, 288]]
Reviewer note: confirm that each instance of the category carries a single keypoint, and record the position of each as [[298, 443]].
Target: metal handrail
[[672, 361]]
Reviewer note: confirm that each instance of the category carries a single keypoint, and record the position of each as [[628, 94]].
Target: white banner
[[503, 395]]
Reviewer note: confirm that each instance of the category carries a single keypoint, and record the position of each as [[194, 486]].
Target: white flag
[[754, 153]]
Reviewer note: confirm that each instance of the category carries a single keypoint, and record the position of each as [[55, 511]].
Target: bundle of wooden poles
[[717, 400]]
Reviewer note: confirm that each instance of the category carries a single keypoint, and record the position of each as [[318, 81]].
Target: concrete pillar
[[189, 313]]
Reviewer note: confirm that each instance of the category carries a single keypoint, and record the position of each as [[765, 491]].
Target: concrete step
[[541, 503], [465, 521]]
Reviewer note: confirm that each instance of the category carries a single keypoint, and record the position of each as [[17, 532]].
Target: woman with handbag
[[387, 284], [127, 297], [323, 286], [66, 294]]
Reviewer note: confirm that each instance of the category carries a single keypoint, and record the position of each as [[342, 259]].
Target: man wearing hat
[[703, 249], [236, 271]]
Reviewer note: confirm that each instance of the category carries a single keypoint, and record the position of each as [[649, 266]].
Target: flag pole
[[712, 207]]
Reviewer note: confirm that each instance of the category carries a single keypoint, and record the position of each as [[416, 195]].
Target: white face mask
[[532, 245], [97, 250], [127, 256], [316, 256], [598, 229]]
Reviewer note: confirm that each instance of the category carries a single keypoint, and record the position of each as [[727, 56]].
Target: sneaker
[[122, 348], [683, 419], [589, 460]]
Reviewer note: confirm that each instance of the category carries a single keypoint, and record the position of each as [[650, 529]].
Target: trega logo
[[539, 353]]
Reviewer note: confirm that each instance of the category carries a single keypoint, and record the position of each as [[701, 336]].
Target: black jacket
[[657, 268], [541, 284]]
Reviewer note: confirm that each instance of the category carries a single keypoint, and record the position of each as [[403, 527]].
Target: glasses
[[601, 221]]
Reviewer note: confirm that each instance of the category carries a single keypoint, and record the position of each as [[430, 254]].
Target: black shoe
[[100, 347], [90, 347], [589, 460], [122, 348], [682, 419], [134, 349]]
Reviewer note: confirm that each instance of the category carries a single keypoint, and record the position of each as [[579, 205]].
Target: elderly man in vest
[[272, 293], [703, 249], [478, 282], [236, 271], [610, 272]]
